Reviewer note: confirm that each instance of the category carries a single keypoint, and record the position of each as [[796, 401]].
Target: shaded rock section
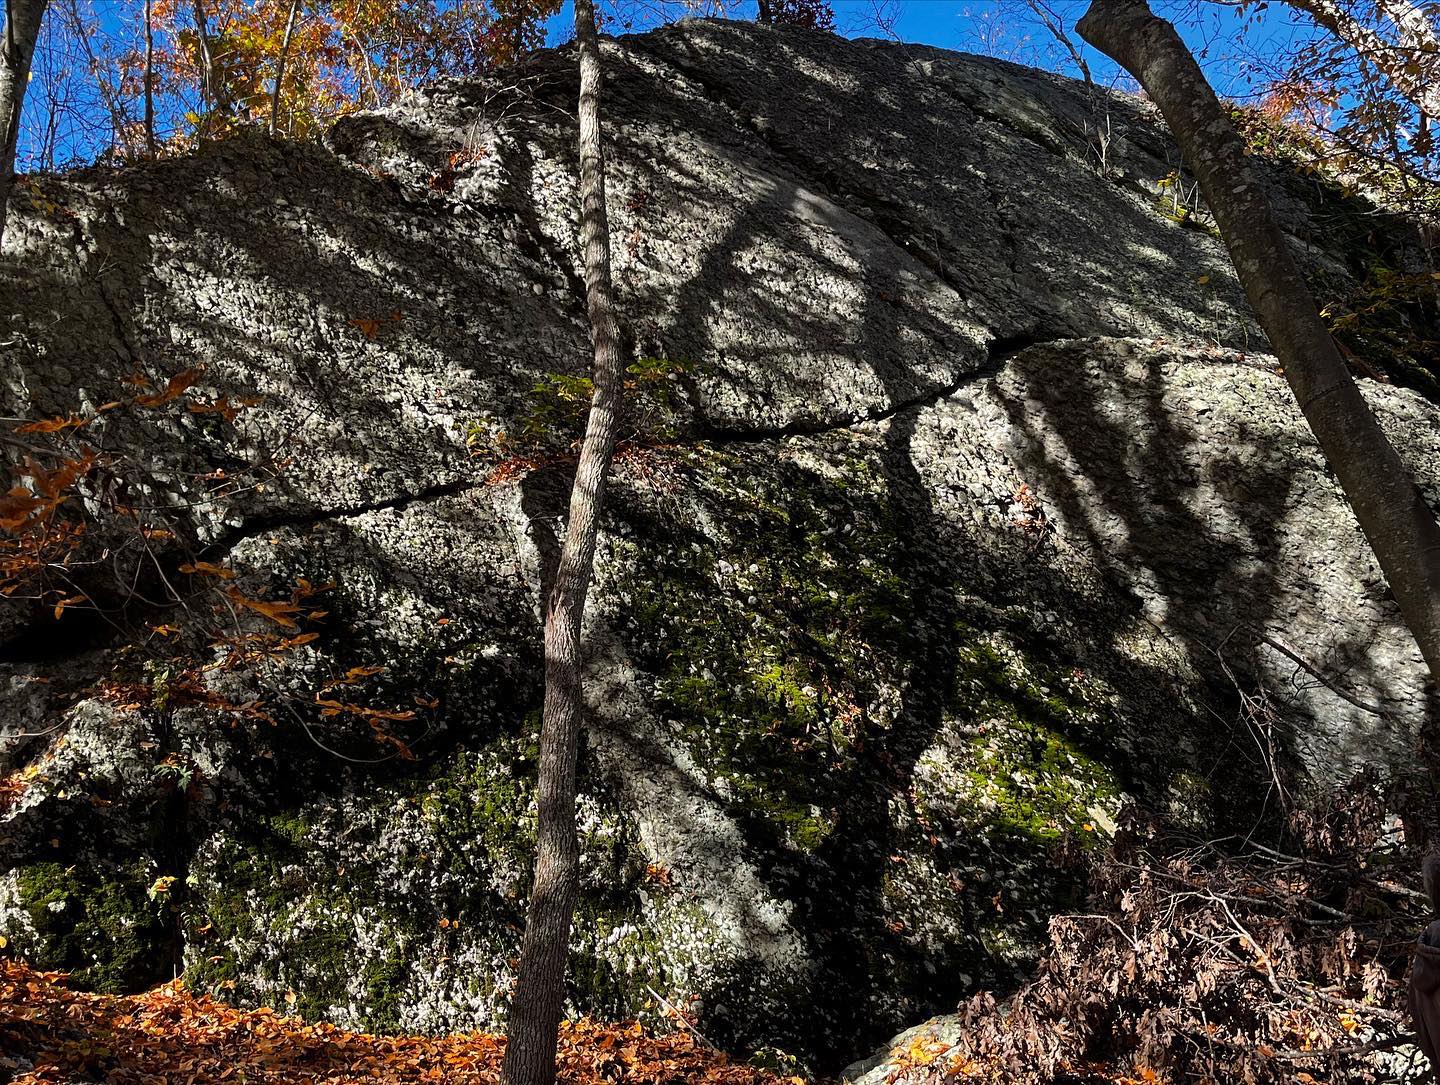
[[955, 483]]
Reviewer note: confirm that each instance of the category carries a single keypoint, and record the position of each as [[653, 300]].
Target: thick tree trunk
[[22, 30], [1399, 525], [280, 68], [540, 984]]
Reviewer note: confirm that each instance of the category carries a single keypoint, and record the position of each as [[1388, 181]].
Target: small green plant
[[553, 420], [1181, 203], [776, 1061], [559, 402], [176, 771], [159, 679]]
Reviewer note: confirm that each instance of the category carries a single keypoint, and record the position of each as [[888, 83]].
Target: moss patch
[[399, 906], [903, 756], [790, 655], [776, 648], [1028, 725], [98, 923]]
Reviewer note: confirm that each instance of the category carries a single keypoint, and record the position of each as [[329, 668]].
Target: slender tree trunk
[[764, 13], [150, 77], [280, 68], [1410, 62], [212, 75], [1399, 525], [364, 55], [22, 30], [119, 120], [540, 984]]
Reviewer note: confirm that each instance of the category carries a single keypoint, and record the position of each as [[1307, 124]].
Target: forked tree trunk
[[22, 30], [540, 985], [1399, 525]]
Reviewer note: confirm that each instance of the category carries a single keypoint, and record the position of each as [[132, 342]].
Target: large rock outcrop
[[960, 486]]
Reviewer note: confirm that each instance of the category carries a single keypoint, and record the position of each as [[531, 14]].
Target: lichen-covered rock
[[956, 490]]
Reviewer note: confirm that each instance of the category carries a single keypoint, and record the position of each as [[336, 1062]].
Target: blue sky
[[1227, 39]]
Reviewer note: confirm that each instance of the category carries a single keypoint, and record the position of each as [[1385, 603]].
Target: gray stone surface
[[962, 469]]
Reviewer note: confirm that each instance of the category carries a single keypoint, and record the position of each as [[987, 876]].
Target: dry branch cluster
[[1212, 963]]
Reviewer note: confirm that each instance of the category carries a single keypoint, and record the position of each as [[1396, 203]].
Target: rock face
[[958, 487]]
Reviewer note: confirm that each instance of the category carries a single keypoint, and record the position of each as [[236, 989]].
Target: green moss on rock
[[885, 737], [395, 906], [774, 645], [98, 923]]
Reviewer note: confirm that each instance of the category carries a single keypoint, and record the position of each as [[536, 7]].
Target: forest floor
[[50, 1033], [1195, 962]]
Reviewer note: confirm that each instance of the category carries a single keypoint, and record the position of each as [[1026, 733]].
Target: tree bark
[[1391, 511], [212, 74], [1409, 62], [280, 68], [22, 30], [150, 78], [540, 984]]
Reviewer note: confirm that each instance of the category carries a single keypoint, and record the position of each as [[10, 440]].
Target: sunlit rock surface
[[959, 487]]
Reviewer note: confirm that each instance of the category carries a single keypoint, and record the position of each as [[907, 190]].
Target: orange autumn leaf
[[277, 611], [221, 406], [68, 601], [177, 386], [206, 568], [224, 406], [54, 425], [56, 484], [381, 714], [354, 675], [296, 642], [17, 507]]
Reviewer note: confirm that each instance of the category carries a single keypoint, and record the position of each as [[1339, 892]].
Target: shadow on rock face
[[909, 587]]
